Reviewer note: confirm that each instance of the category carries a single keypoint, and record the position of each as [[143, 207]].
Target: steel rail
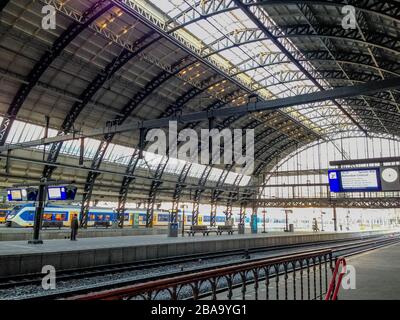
[[198, 277], [222, 113]]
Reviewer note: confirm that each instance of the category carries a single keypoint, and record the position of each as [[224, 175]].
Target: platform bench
[[229, 229], [205, 230], [52, 224], [200, 229], [106, 224]]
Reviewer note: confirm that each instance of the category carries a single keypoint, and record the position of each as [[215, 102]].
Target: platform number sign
[[49, 21]]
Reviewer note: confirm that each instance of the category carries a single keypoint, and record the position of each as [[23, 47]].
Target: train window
[[48, 216], [61, 217], [189, 218], [92, 217], [100, 217], [206, 219], [108, 217], [126, 217], [28, 215], [163, 217]]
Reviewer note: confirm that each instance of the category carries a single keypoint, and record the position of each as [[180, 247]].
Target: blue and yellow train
[[23, 216], [3, 214]]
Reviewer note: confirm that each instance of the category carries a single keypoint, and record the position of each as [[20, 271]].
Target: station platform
[[377, 275], [15, 234], [19, 257]]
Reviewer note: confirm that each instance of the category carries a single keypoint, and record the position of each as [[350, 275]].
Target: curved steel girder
[[184, 173], [180, 185], [350, 135], [271, 143], [222, 179], [247, 36], [177, 107], [366, 203], [197, 194], [206, 9], [206, 172], [260, 61], [285, 77], [92, 14], [85, 98], [114, 66], [137, 11], [262, 22], [279, 150], [231, 196], [216, 193], [133, 164], [126, 111], [3, 4]]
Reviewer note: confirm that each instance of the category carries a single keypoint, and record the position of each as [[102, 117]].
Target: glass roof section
[[117, 154], [209, 31]]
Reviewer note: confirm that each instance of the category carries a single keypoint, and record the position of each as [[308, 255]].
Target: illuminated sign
[[56, 193], [16, 194], [355, 180], [61, 193]]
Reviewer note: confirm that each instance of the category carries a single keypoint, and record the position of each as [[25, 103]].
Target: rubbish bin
[[241, 228], [254, 224], [291, 228], [173, 230]]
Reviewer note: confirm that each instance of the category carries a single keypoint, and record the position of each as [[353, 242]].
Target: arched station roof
[[123, 60]]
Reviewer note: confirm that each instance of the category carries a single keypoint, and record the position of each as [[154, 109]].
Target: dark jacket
[[74, 223]]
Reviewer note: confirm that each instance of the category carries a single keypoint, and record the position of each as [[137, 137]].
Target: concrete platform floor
[[18, 257], [377, 275], [15, 234], [65, 245], [22, 247]]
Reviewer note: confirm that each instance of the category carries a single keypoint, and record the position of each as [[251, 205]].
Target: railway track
[[343, 247], [280, 269], [36, 279]]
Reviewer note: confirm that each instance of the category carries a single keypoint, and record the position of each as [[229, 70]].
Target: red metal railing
[[305, 268], [334, 286]]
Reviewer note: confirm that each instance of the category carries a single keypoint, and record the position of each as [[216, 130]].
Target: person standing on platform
[[74, 227]]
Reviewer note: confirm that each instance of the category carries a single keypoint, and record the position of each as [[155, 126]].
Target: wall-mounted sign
[[355, 180], [16, 194], [390, 178], [61, 193]]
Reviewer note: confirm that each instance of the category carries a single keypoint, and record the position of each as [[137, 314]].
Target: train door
[[71, 215], [200, 220], [142, 220]]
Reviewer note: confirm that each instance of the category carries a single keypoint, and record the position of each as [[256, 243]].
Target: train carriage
[[3, 214], [23, 216]]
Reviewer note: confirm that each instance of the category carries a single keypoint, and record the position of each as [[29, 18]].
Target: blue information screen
[[16, 194], [57, 193], [355, 180]]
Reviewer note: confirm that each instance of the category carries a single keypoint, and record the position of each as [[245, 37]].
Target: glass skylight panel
[[23, 132], [216, 26], [245, 181], [230, 179]]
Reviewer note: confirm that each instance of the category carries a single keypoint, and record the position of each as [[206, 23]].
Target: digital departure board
[[61, 193], [15, 195], [56, 193], [355, 180]]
